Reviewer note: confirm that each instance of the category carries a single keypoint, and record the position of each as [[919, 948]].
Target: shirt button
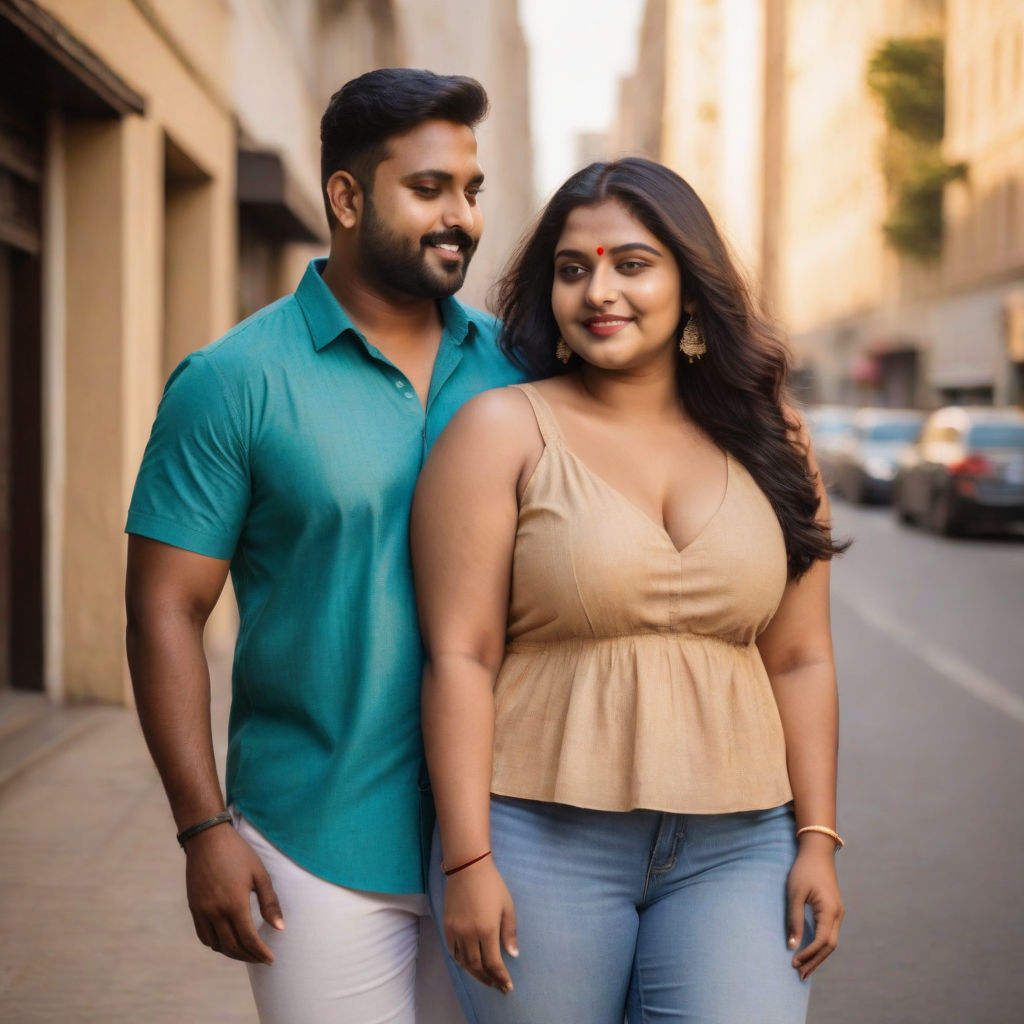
[[409, 394]]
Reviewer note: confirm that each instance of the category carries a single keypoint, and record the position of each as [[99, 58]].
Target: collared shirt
[[291, 446]]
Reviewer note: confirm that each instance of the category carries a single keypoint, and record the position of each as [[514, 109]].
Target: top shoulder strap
[[542, 411]]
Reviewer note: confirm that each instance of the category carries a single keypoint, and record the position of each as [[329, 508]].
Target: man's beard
[[397, 264]]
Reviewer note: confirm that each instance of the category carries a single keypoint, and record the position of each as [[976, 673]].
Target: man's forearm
[[171, 681]]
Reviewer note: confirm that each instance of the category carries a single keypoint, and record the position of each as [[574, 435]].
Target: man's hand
[[221, 873]]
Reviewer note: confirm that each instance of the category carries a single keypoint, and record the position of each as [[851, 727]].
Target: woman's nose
[[601, 288]]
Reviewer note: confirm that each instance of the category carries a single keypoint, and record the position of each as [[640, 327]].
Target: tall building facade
[[639, 125], [712, 133], [857, 312], [979, 324], [767, 110], [159, 179]]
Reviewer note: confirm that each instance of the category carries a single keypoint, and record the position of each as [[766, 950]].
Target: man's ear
[[346, 198]]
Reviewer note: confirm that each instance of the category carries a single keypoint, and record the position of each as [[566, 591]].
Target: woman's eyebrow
[[634, 245], [575, 254]]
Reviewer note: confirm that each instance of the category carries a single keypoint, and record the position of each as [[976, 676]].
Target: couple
[[621, 573]]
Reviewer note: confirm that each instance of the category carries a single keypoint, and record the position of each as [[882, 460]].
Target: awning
[[269, 194], [47, 65]]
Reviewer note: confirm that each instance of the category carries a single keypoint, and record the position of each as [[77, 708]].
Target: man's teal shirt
[[291, 446]]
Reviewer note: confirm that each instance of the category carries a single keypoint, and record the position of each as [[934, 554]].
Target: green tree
[[908, 77]]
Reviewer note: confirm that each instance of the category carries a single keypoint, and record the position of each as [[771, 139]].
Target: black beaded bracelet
[[193, 830]]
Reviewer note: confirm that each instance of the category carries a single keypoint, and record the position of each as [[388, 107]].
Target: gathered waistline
[[582, 641]]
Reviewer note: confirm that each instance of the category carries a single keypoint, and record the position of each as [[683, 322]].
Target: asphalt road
[[929, 639]]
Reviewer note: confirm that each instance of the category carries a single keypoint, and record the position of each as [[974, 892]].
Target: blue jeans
[[655, 917]]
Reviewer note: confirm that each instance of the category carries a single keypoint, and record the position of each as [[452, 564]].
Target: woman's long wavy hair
[[735, 393]]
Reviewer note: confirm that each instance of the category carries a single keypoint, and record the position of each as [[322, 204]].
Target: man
[[287, 452]]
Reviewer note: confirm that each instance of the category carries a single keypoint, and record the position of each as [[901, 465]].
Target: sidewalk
[[94, 925]]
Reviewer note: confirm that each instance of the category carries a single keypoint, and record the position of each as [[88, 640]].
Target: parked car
[[966, 470], [829, 426], [864, 461]]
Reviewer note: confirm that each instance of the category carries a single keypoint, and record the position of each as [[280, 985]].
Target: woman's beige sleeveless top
[[631, 678]]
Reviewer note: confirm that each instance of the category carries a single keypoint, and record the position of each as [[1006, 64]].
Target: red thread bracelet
[[469, 863]]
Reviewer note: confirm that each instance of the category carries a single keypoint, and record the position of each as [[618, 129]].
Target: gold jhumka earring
[[562, 351], [691, 344]]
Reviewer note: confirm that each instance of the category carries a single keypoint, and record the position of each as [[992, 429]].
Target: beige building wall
[[485, 41], [280, 110], [167, 223], [855, 307], [983, 259], [848, 300], [833, 261], [639, 126], [714, 99], [985, 129], [129, 259]]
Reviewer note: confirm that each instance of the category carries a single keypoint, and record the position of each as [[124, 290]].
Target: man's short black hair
[[364, 113]]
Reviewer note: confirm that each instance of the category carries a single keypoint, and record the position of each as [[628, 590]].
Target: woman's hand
[[479, 919], [813, 882]]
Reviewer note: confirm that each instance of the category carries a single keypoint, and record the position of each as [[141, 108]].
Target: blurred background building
[[159, 180], [866, 162]]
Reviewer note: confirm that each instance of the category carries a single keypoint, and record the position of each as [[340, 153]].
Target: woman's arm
[[464, 522], [797, 652]]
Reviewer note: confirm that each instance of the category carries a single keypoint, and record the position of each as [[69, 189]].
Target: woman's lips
[[606, 326]]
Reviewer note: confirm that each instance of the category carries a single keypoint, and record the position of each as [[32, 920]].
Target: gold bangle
[[824, 830]]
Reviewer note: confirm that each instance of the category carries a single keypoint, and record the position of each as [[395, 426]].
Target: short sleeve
[[193, 488]]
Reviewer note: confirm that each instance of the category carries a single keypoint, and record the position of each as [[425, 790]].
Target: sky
[[578, 51]]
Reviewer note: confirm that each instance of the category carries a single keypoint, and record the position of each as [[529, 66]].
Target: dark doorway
[[899, 374], [21, 486]]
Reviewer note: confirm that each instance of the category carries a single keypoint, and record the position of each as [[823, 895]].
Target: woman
[[629, 707]]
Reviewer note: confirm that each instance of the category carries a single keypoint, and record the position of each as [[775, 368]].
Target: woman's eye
[[630, 266], [571, 271]]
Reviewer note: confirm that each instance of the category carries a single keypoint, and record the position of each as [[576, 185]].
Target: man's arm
[[169, 594]]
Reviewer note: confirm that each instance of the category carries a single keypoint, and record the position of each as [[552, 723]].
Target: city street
[[930, 649]]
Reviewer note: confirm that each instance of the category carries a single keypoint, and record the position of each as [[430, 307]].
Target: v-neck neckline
[[551, 432], [629, 503]]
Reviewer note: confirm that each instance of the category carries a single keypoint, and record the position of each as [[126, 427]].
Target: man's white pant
[[345, 956]]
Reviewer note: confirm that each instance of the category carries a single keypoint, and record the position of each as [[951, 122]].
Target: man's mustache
[[454, 237]]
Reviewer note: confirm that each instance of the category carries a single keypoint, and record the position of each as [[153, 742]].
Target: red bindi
[[600, 250]]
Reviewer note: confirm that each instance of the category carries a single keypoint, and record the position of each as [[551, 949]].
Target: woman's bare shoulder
[[497, 411], [500, 421]]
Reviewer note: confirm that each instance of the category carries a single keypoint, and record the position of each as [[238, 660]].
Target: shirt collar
[[328, 321]]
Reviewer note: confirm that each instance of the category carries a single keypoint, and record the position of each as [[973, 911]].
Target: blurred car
[[966, 470], [829, 426], [864, 461]]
